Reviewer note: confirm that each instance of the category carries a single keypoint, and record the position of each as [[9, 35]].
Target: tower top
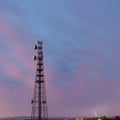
[[39, 42]]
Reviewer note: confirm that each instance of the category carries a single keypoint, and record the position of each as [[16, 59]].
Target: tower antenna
[[39, 102]]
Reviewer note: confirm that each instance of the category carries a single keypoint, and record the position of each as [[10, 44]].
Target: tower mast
[[39, 102]]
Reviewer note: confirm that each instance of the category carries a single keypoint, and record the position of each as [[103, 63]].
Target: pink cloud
[[14, 102], [16, 64], [17, 42]]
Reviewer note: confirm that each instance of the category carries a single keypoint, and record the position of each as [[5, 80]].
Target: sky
[[81, 41]]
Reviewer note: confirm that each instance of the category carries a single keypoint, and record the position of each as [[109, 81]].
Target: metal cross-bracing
[[39, 102]]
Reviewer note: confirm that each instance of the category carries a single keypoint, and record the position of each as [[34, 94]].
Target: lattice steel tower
[[39, 102]]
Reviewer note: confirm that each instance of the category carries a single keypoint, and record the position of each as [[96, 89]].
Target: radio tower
[[39, 102]]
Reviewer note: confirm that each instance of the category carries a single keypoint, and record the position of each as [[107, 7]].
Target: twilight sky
[[81, 56]]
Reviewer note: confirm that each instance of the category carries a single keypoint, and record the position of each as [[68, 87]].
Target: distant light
[[79, 118]]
